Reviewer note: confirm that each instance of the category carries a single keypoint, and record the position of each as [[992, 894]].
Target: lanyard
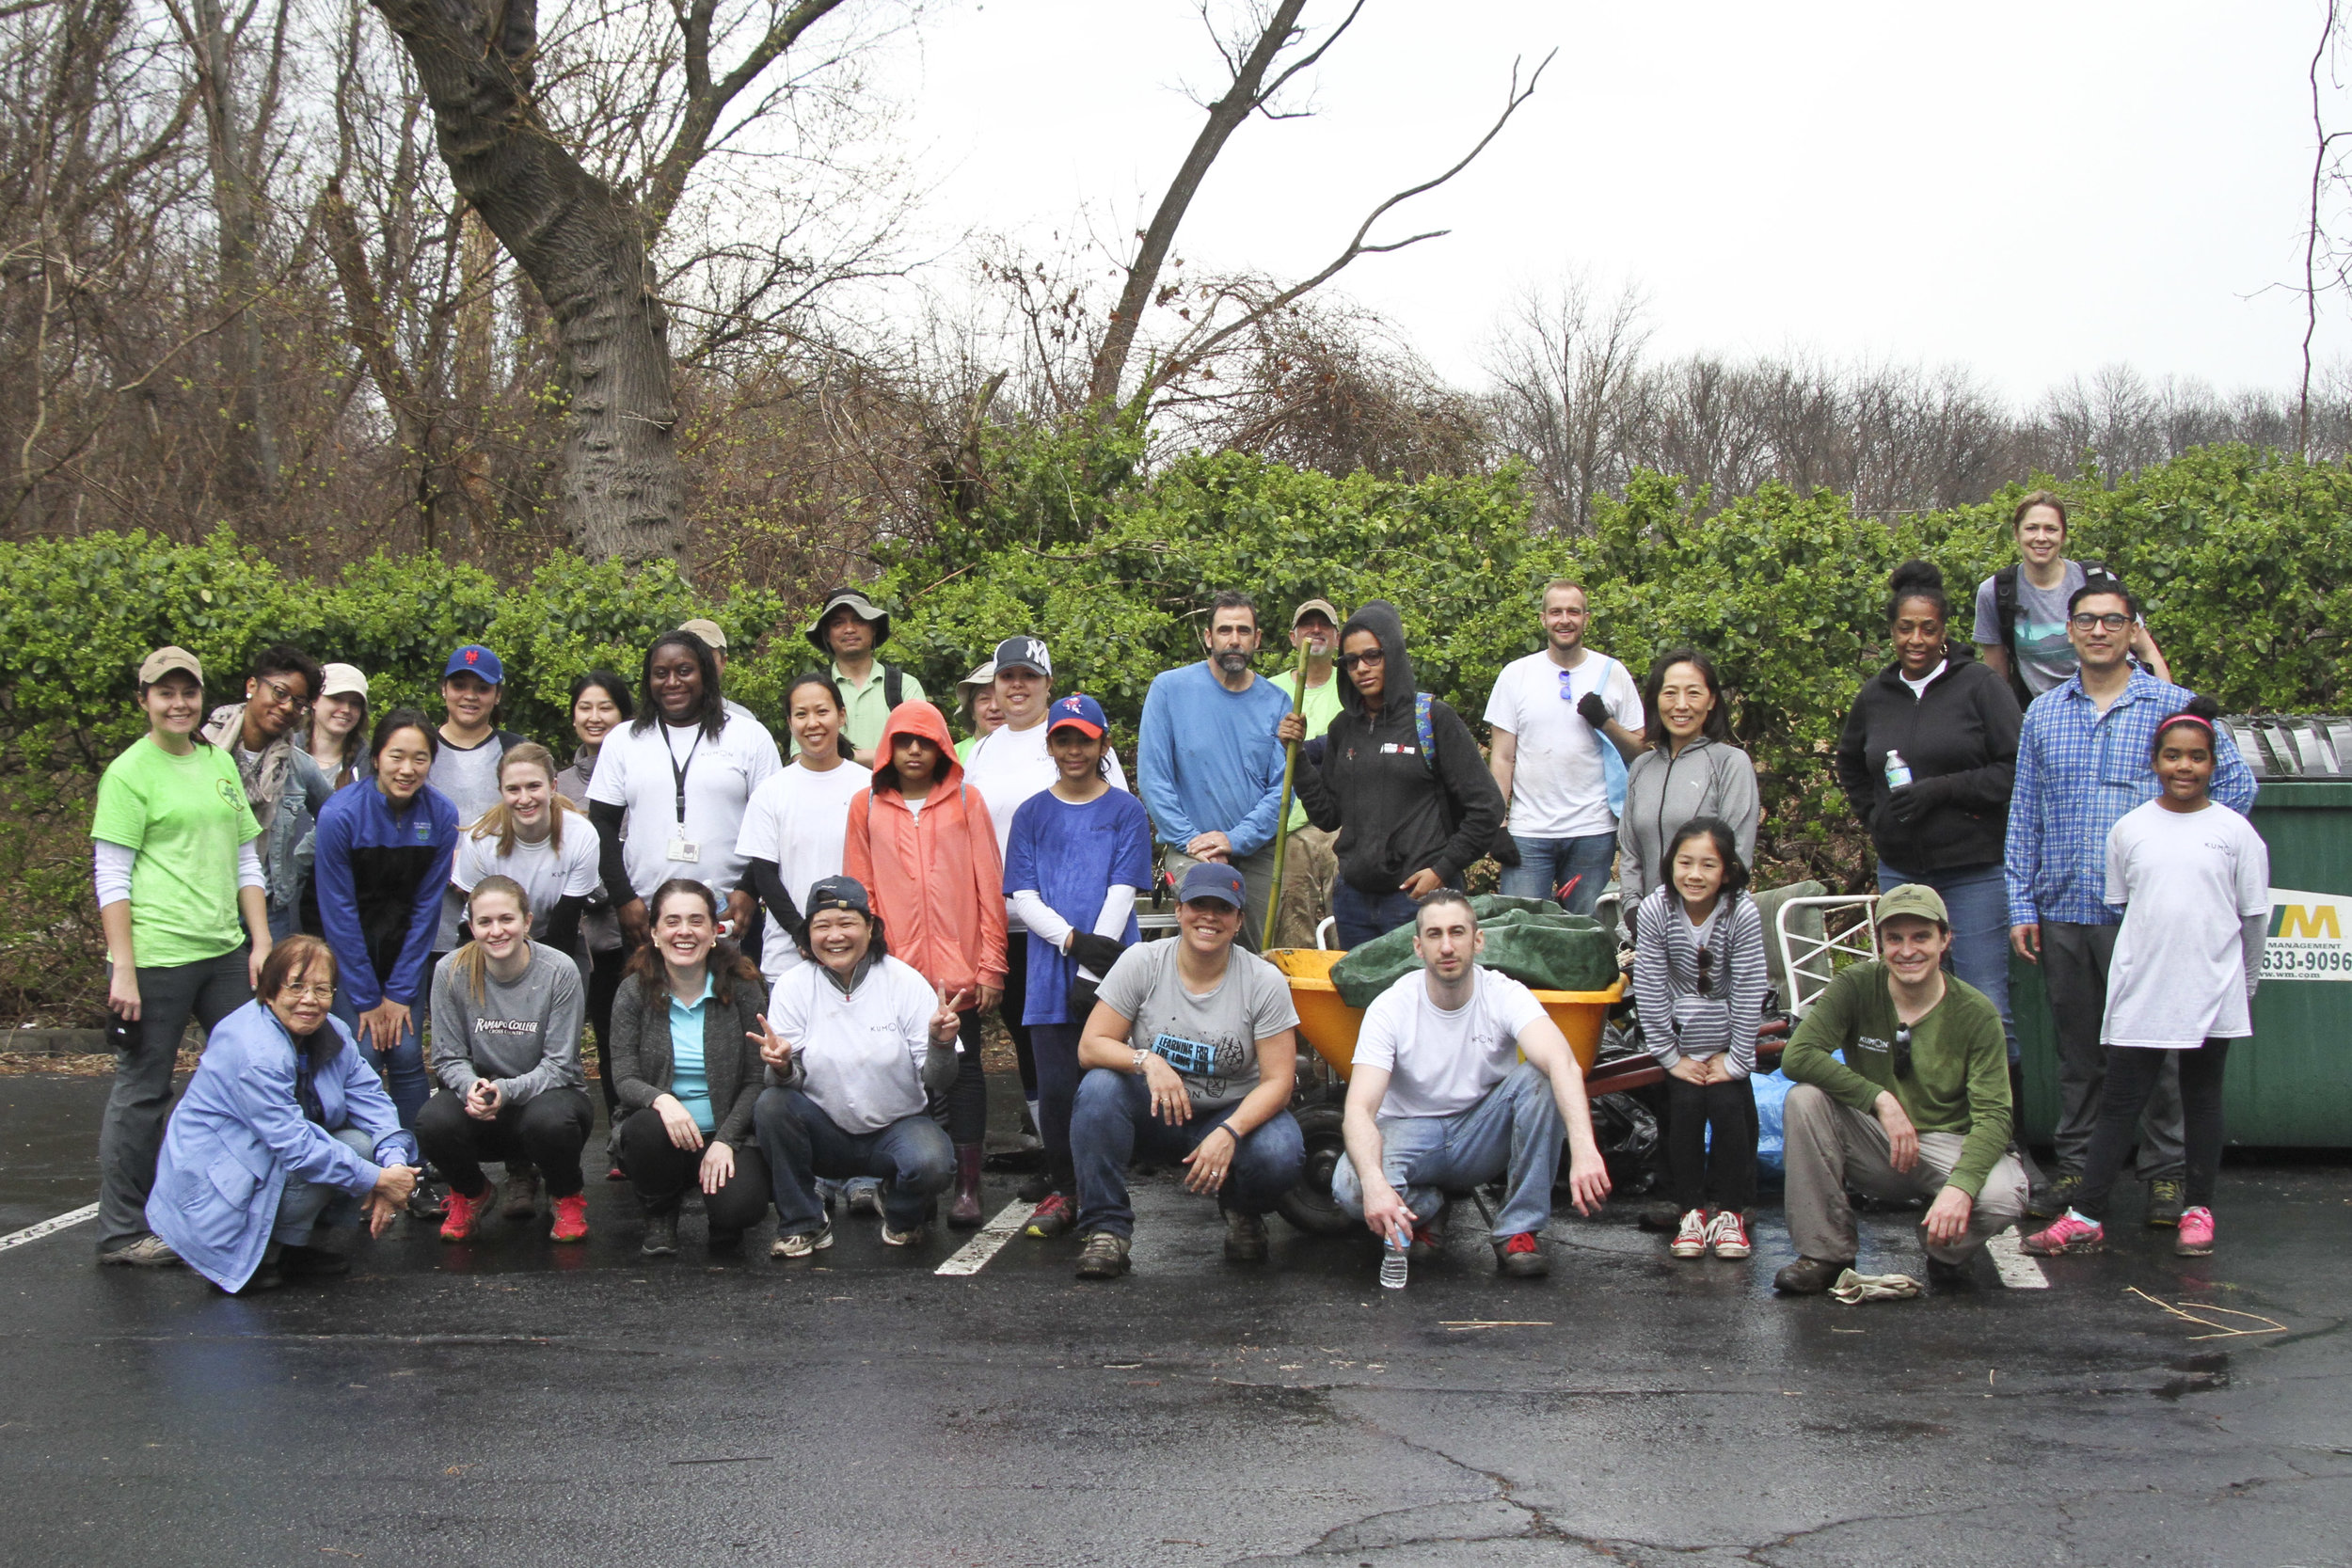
[[677, 769]]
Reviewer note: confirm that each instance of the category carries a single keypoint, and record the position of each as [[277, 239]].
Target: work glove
[[1595, 711], [940, 1066], [1097, 953], [1911, 803], [1082, 994], [1854, 1288]]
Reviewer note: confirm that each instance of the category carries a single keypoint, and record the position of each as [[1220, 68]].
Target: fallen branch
[[2272, 1326]]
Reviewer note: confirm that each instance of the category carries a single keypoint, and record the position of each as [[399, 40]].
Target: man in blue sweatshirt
[[1210, 768]]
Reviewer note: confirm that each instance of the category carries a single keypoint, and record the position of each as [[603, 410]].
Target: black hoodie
[[1397, 815], [1960, 737]]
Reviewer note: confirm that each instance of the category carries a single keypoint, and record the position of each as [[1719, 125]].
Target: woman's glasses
[[318, 991]]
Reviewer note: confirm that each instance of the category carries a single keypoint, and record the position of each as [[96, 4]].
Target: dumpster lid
[[2284, 746]]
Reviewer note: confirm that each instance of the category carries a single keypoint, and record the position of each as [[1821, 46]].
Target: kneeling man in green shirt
[[1918, 1108]]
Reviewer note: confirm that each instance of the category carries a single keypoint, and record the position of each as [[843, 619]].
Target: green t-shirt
[[183, 817], [1321, 705]]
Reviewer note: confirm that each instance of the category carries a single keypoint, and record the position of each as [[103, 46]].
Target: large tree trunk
[[581, 246]]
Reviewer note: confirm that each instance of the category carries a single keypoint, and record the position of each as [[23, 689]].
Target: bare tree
[[1569, 393]]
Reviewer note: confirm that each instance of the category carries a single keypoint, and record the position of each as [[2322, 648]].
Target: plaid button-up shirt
[[2078, 771]]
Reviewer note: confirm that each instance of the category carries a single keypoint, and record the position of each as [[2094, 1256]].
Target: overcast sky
[[2034, 190]]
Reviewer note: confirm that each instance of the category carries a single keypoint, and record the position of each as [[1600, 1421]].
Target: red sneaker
[[571, 1219], [1428, 1238], [458, 1217], [1521, 1257], [1727, 1234], [1054, 1217]]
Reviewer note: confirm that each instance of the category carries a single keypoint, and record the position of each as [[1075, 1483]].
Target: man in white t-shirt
[[1440, 1102], [1565, 722]]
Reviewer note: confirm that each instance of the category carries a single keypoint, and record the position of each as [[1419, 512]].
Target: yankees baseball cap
[[1024, 653]]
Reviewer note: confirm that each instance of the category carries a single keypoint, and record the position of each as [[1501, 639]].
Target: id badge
[[685, 850]]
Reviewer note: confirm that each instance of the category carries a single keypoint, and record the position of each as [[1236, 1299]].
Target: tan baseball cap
[[708, 631], [342, 680], [164, 660], [1312, 607]]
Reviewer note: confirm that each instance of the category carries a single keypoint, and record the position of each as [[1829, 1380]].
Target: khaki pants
[[1308, 868], [1833, 1146]]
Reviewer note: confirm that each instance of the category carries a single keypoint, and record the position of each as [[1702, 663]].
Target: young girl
[[1698, 983], [922, 843], [1080, 854], [795, 823], [506, 1020], [2193, 880]]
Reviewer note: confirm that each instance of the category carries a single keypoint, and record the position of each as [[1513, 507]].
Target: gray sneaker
[[150, 1251], [660, 1235], [521, 1193], [800, 1244], [1104, 1256], [1245, 1237]]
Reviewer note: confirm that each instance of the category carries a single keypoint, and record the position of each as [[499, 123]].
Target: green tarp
[[1532, 939]]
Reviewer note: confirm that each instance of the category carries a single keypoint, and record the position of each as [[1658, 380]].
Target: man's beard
[[1233, 663]]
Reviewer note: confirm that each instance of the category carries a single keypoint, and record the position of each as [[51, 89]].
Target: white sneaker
[[1691, 1236]]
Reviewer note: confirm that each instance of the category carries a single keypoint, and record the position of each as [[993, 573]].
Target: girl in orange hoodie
[[922, 844]]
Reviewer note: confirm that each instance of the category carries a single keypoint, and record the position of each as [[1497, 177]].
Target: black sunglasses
[[1706, 965], [1902, 1050], [1349, 661]]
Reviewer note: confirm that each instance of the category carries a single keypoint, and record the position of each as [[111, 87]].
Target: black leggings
[[1721, 1174], [546, 1130], [662, 1172], [2132, 1075], [962, 1110], [604, 983], [1016, 995]]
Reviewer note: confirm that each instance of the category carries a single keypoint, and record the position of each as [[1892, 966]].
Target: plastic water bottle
[[1897, 771], [1393, 1264]]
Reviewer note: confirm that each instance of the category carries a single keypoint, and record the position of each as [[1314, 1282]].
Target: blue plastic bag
[[1771, 1090]]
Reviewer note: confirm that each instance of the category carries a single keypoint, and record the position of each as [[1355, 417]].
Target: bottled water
[[1897, 771], [1393, 1264]]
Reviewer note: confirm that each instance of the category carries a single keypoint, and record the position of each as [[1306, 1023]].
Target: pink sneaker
[[2195, 1239], [2071, 1233]]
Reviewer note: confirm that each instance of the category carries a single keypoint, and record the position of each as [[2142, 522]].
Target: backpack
[[893, 688], [2005, 611]]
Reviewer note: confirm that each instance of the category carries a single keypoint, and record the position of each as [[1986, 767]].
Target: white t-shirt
[[634, 771], [863, 1051], [1442, 1062], [546, 872], [1558, 789], [2185, 881], [1007, 768], [799, 819]]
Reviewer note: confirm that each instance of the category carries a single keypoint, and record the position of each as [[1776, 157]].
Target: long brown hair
[[471, 960], [728, 962], [500, 819]]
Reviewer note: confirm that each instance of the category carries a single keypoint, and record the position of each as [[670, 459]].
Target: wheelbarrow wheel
[[1310, 1205]]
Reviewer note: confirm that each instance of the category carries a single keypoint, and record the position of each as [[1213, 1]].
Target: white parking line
[[990, 1237], [2018, 1272], [49, 1227]]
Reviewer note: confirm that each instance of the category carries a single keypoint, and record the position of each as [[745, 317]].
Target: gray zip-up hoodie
[[1707, 777]]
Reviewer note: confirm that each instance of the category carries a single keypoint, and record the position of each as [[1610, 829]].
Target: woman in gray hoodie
[[1692, 771]]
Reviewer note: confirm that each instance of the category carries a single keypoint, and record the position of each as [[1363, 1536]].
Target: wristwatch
[[1140, 1056]]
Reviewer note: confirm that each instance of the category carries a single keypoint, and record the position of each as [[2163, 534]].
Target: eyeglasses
[[284, 693], [323, 992], [1349, 661], [1902, 1050], [1706, 975], [2111, 620]]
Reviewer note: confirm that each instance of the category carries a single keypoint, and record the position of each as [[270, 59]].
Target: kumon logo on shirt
[[2307, 936]]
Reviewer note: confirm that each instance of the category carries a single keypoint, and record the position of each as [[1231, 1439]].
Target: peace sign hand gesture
[[944, 1023], [774, 1048]]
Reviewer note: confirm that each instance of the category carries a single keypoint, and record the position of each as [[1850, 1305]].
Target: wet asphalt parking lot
[[511, 1403]]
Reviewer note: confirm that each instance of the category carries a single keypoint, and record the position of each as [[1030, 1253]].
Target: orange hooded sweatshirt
[[934, 877]]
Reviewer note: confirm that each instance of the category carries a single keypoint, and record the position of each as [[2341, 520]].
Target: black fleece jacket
[[1395, 816], [1960, 736]]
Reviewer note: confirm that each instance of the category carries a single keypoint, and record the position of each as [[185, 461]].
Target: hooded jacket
[[1394, 814], [292, 789], [1665, 789], [1959, 736], [934, 876]]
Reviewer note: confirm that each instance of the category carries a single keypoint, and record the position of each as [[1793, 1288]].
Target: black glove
[[1096, 953], [1082, 1000], [1911, 803], [1595, 711]]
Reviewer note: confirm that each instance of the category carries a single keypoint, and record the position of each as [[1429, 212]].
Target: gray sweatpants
[[133, 1133], [1833, 1146]]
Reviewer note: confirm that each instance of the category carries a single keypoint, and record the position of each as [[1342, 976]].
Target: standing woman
[[1927, 760], [1692, 771], [337, 737], [1080, 854], [539, 839], [922, 843], [794, 828], [686, 1051], [671, 789], [384, 856], [600, 704], [186, 915]]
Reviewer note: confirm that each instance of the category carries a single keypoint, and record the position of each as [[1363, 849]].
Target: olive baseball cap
[[1912, 898]]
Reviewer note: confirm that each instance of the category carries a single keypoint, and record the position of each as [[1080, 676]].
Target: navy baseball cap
[[475, 659], [837, 893], [1208, 880], [1077, 711], [1024, 653]]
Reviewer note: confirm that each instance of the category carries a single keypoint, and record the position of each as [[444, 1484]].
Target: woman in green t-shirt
[[183, 900]]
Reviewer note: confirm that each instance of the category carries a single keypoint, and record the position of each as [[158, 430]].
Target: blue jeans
[[1977, 898], [402, 1067], [1548, 864], [1112, 1123], [912, 1155], [1514, 1133], [305, 1205], [1362, 916]]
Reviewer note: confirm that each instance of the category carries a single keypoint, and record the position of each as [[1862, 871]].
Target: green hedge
[[2245, 558]]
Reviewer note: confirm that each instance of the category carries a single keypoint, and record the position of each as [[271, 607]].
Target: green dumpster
[[2292, 1086]]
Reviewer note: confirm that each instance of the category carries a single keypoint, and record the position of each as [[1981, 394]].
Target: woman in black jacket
[[1927, 759], [1401, 779]]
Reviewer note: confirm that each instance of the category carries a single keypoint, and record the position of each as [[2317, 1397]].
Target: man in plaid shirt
[[2082, 762]]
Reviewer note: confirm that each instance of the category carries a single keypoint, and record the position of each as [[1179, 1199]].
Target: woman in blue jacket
[[384, 854], [282, 1131]]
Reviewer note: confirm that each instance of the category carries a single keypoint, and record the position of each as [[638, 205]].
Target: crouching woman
[[283, 1131]]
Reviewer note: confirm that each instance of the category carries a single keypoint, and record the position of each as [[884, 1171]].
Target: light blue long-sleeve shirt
[[1209, 762]]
